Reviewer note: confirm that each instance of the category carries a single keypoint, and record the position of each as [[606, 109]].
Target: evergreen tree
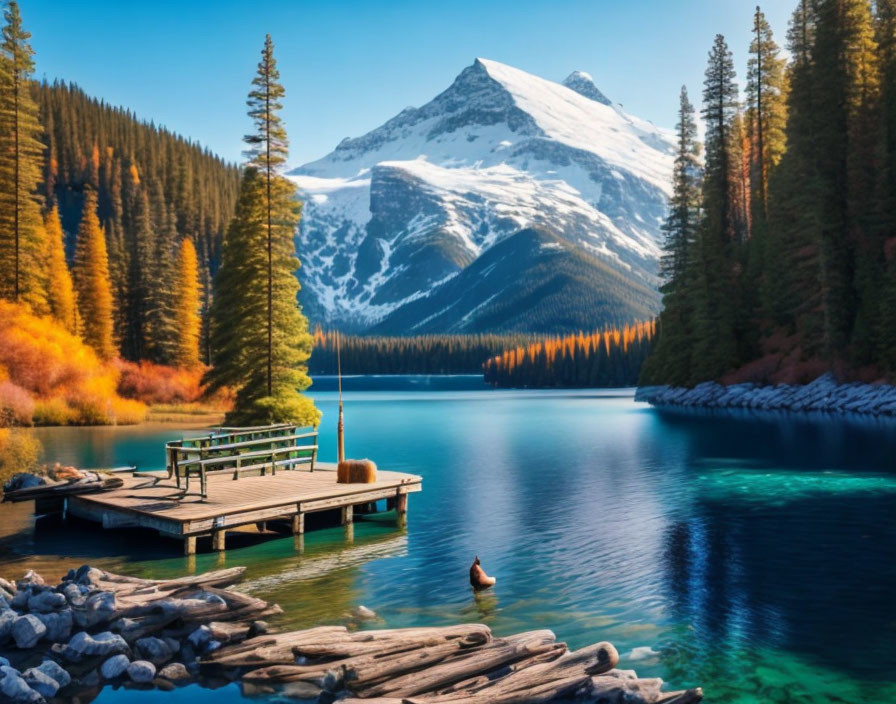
[[260, 338], [92, 281], [61, 291], [22, 236], [187, 321], [886, 41], [670, 362], [715, 342]]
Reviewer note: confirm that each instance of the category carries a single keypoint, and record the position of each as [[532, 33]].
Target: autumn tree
[[260, 337], [60, 291], [94, 291], [187, 321], [22, 237]]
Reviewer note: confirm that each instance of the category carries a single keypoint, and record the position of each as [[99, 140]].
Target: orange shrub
[[155, 383], [65, 379]]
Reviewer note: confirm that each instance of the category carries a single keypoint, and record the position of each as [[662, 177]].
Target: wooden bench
[[256, 450]]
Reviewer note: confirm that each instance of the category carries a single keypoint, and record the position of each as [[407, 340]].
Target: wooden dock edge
[[111, 517]]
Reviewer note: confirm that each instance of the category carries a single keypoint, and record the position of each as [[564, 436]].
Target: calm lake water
[[754, 556]]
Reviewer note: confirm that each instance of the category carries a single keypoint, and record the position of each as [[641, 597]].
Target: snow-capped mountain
[[508, 202]]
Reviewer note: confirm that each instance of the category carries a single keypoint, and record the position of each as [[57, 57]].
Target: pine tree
[[670, 362], [188, 323], [61, 291], [715, 341], [260, 338], [92, 281], [22, 236]]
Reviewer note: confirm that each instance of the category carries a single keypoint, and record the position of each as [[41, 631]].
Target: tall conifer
[[92, 281], [187, 321], [260, 338], [22, 236], [61, 291]]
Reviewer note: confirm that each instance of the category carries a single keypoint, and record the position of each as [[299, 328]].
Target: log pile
[[98, 628]]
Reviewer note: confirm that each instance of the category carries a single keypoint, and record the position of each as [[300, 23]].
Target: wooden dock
[[245, 501]]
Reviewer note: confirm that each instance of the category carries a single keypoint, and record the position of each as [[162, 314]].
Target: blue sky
[[349, 65]]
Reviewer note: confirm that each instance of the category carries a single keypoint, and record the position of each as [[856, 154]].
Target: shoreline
[[824, 395]]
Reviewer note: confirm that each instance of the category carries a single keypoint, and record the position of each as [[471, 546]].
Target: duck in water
[[478, 578]]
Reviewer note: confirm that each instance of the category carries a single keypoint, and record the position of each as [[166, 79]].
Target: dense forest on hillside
[[780, 255], [608, 359], [154, 188]]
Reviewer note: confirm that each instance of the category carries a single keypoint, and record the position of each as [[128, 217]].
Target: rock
[[114, 667], [20, 600], [53, 669], [259, 628], [301, 691], [23, 480], [27, 630], [45, 602], [59, 625], [7, 586], [73, 594], [89, 679], [142, 671], [7, 618], [98, 608], [176, 672], [363, 613], [212, 645], [14, 688], [83, 644], [88, 575], [156, 650], [200, 637], [4, 662], [41, 682], [31, 577]]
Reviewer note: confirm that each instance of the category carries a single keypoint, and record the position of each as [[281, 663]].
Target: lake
[[752, 555]]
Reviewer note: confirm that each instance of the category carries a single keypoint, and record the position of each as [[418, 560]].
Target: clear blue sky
[[349, 66]]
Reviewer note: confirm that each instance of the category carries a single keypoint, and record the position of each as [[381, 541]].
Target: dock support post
[[401, 508], [298, 524], [219, 539], [190, 545], [348, 514]]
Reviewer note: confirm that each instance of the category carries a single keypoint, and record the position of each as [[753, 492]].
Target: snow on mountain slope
[[393, 216]]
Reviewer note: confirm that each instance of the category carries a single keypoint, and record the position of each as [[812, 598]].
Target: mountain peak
[[583, 84]]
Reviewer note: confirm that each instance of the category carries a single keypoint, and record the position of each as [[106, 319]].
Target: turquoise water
[[751, 555]]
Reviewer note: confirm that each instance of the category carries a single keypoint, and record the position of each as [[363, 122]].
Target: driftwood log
[[165, 633]]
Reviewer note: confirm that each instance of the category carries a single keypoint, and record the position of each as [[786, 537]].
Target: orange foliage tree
[[187, 321], [61, 288], [92, 281]]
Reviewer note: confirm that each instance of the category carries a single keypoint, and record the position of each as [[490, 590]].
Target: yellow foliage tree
[[92, 281], [187, 321], [61, 289]]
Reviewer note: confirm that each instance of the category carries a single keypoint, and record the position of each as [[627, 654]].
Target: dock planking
[[234, 503]]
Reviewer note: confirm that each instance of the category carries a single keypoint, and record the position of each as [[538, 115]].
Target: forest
[[607, 359], [780, 251]]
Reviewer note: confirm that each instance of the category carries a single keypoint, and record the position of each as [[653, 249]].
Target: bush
[[19, 452], [155, 383], [63, 378]]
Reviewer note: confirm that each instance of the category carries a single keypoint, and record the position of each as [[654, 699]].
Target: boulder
[[114, 667], [200, 637], [142, 671], [46, 601], [4, 662], [362, 613], [59, 625], [98, 608], [83, 645], [41, 682], [156, 650], [53, 669], [176, 672], [7, 586], [14, 688], [7, 618], [27, 630], [31, 578]]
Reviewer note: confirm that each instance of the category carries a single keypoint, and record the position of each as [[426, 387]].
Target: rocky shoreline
[[823, 395], [66, 642]]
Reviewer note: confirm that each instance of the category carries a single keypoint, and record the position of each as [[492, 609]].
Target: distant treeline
[[425, 354], [611, 358]]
